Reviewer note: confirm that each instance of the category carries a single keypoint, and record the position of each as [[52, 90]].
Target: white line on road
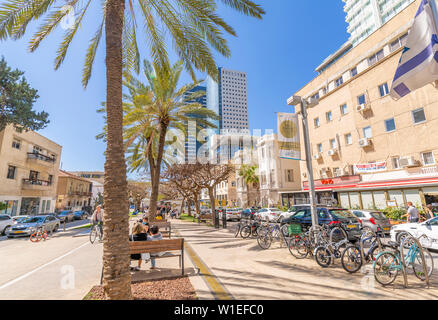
[[41, 267]]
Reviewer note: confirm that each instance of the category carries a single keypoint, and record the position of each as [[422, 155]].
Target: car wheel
[[5, 230], [56, 228]]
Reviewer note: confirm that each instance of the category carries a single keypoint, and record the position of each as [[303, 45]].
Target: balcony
[[40, 159], [80, 193], [40, 185]]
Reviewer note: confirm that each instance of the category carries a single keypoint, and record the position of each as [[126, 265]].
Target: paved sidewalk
[[247, 272]]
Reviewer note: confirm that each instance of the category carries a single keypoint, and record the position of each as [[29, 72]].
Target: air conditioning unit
[[408, 162], [325, 169], [361, 107], [317, 156], [365, 142], [304, 175], [332, 152]]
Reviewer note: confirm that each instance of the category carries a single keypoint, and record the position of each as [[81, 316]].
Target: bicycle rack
[[403, 262]]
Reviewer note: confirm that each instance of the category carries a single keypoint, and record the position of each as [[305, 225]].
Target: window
[[336, 172], [361, 99], [367, 132], [16, 144], [395, 162], [333, 144], [37, 149], [376, 57], [348, 139], [339, 82], [11, 172], [418, 116], [316, 122], [329, 116], [427, 158], [319, 148], [344, 109], [390, 125], [353, 72], [383, 89], [289, 175]]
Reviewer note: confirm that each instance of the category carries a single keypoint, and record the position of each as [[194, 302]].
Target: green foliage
[[3, 206], [394, 213], [283, 208], [17, 99]]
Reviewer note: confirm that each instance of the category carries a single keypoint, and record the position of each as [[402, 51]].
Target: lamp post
[[311, 102]]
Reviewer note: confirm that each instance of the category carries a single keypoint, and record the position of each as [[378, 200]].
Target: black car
[[247, 213], [347, 220], [66, 216], [80, 215]]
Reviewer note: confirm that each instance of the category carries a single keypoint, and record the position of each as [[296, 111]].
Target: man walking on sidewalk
[[412, 214]]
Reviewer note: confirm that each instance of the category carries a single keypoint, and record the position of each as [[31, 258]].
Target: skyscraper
[[366, 16], [229, 99]]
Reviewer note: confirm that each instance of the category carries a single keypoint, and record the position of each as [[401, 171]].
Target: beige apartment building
[[74, 192], [369, 151], [98, 176], [29, 165], [277, 176]]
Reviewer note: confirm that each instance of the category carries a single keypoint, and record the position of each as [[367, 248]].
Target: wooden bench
[[164, 227], [138, 247], [205, 218]]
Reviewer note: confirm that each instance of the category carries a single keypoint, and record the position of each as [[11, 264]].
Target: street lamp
[[311, 102]]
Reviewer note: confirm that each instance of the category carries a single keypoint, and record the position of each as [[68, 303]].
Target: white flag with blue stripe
[[419, 61]]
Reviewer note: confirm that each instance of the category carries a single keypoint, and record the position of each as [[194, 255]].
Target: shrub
[[394, 213]]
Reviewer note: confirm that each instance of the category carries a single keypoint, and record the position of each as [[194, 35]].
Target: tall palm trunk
[[116, 259], [155, 181], [247, 195]]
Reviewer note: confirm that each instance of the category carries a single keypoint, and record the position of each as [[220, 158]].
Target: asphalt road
[[65, 266]]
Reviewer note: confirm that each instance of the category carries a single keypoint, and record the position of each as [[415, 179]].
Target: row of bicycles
[[328, 243]]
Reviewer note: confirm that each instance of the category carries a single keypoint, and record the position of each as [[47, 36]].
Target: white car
[[6, 222], [232, 214], [269, 214], [429, 228]]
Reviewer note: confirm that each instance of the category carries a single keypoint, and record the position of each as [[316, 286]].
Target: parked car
[[247, 213], [31, 224], [269, 214], [328, 215], [80, 215], [5, 223], [232, 214], [205, 210], [428, 227], [66, 216], [292, 210], [375, 220]]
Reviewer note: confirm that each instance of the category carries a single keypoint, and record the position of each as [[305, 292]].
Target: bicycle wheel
[[323, 256], [44, 235], [245, 232], [338, 234], [35, 237], [417, 265], [264, 239], [351, 259], [298, 248], [237, 231], [93, 234], [386, 268]]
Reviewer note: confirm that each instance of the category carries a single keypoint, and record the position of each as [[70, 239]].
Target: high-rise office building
[[192, 145], [366, 16], [229, 99]]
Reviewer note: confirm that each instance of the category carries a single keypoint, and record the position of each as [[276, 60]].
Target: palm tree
[[249, 175], [151, 111], [192, 25]]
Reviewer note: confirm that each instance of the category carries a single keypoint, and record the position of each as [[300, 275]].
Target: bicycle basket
[[295, 229]]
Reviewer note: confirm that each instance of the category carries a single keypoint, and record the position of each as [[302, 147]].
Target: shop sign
[[370, 167]]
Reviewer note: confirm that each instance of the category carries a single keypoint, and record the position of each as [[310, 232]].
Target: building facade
[[369, 151], [73, 192], [98, 176], [229, 99], [277, 176], [28, 172]]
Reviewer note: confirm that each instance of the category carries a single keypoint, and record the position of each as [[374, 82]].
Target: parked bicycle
[[250, 230], [272, 232], [301, 244], [354, 256], [389, 263], [326, 254], [39, 234], [96, 232]]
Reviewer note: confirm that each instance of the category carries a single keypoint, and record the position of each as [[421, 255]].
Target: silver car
[[5, 223], [375, 220], [30, 225]]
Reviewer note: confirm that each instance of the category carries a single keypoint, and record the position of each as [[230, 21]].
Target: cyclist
[[97, 218]]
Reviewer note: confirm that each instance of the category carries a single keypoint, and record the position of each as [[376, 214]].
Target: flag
[[418, 65], [288, 136]]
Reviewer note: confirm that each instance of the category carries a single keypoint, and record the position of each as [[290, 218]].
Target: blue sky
[[279, 54]]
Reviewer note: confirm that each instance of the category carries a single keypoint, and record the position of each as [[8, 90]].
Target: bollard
[[64, 225], [224, 218], [216, 219]]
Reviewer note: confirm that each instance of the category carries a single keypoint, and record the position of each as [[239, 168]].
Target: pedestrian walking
[[412, 214], [429, 212]]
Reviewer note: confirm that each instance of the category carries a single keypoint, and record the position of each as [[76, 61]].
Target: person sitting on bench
[[155, 235], [139, 233]]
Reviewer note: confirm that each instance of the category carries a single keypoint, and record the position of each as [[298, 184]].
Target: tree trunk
[[155, 179], [198, 210], [247, 195], [212, 200], [116, 258], [189, 208], [182, 207]]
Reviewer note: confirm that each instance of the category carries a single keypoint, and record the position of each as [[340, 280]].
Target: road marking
[[217, 289], [41, 267]]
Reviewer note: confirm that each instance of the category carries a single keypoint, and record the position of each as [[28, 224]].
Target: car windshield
[[34, 220], [275, 209], [378, 215], [340, 213], [63, 213]]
